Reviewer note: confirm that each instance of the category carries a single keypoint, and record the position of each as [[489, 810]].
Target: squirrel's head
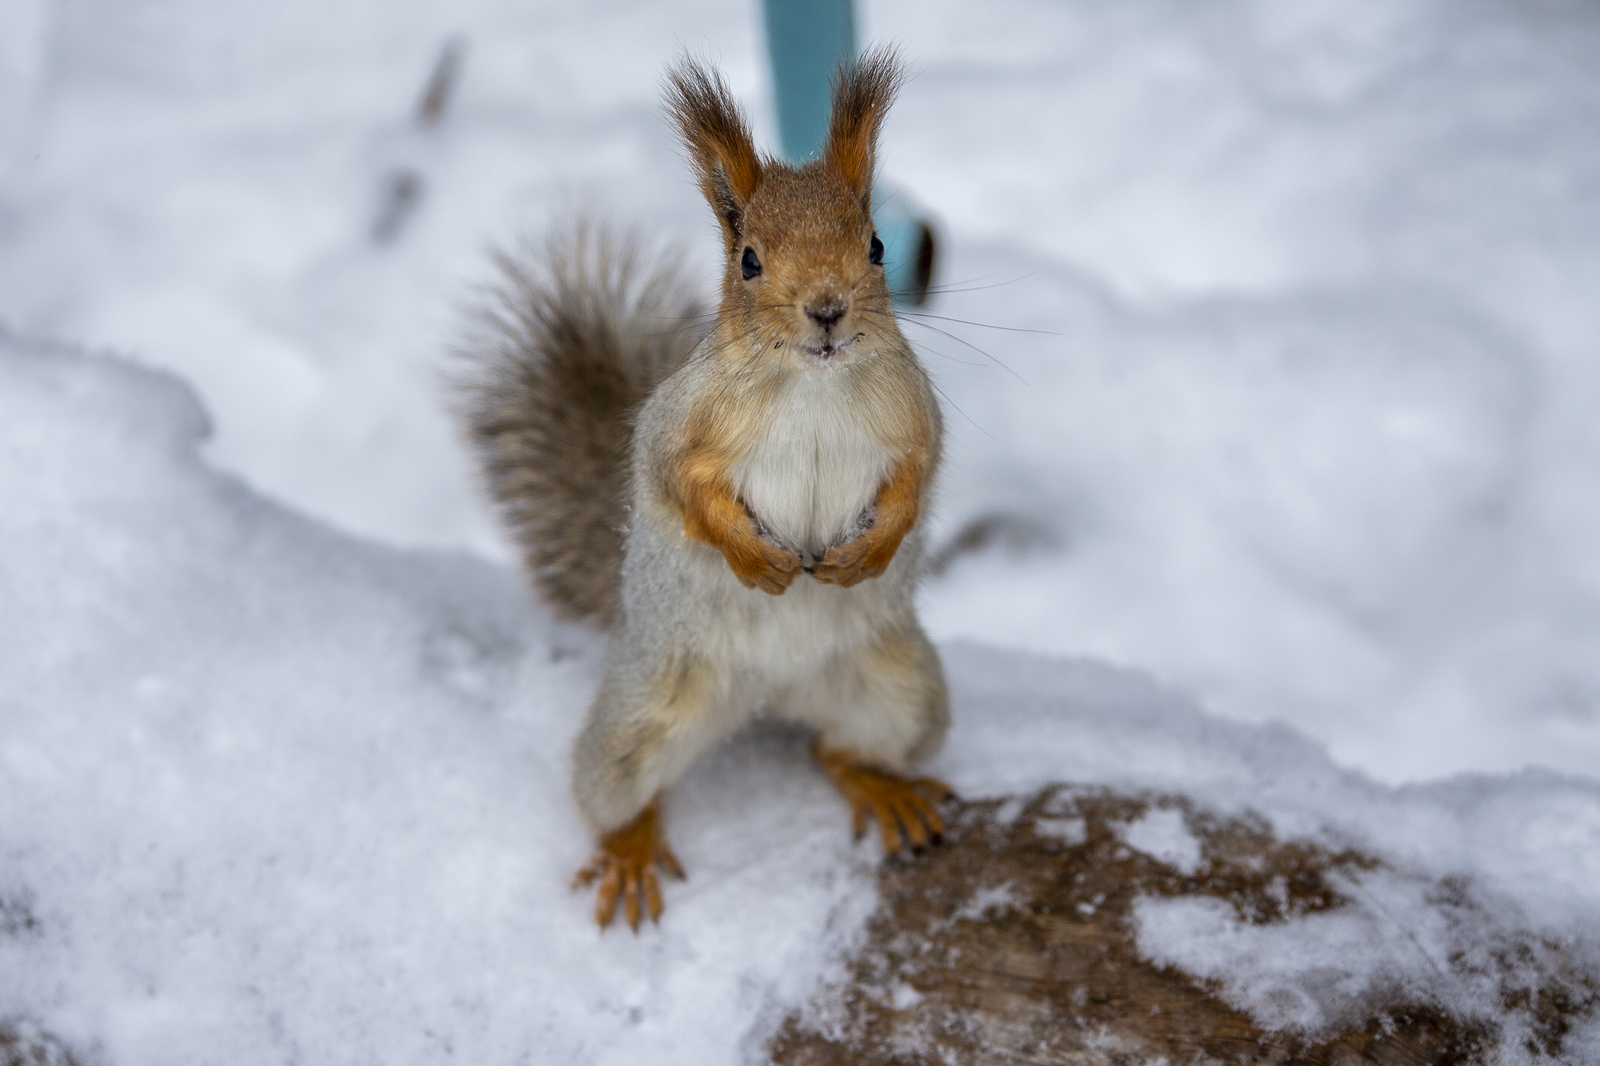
[[804, 277]]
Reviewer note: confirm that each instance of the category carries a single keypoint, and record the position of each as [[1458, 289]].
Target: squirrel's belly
[[778, 640], [813, 474], [788, 638]]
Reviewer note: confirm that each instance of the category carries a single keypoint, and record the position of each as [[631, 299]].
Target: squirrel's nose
[[826, 315]]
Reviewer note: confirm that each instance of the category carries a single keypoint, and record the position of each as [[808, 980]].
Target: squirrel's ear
[[862, 93], [718, 139]]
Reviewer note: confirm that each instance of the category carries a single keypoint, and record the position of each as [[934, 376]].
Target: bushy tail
[[577, 336]]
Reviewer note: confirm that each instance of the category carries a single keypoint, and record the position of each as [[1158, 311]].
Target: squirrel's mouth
[[828, 349]]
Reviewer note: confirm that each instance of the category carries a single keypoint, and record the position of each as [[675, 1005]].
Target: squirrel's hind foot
[[626, 870], [906, 809]]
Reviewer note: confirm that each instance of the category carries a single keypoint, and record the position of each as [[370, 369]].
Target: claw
[[630, 896], [928, 813], [606, 905], [670, 861], [911, 822], [889, 825], [652, 895]]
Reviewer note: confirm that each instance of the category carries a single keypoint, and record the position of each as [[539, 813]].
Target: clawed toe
[[626, 870]]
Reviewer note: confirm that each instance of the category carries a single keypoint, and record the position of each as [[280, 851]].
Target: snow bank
[[273, 793], [1486, 884], [1313, 436]]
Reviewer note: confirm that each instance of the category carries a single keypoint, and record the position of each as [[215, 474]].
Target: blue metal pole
[[806, 41]]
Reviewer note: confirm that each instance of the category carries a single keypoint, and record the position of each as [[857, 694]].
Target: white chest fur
[[818, 465]]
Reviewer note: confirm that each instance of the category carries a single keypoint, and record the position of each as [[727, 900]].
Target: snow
[[275, 793], [1309, 428], [1313, 424], [1329, 970], [1162, 835], [1295, 486]]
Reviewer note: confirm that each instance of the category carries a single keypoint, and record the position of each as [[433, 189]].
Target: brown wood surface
[[1053, 976]]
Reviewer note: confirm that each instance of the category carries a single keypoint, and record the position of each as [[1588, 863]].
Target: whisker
[[958, 410], [980, 325], [949, 287], [974, 347], [959, 340], [947, 357]]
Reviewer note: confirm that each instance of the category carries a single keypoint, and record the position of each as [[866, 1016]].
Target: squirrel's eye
[[876, 254], [749, 266]]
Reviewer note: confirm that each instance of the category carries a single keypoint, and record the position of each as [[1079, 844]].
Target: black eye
[[876, 255], [749, 266]]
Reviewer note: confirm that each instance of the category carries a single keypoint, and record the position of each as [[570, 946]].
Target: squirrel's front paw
[[850, 564], [765, 566], [626, 868]]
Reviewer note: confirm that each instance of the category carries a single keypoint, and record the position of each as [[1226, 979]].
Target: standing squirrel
[[743, 517]]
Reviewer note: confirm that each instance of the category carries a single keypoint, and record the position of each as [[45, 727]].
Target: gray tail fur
[[575, 338]]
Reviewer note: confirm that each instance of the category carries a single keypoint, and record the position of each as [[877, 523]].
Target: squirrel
[[740, 510]]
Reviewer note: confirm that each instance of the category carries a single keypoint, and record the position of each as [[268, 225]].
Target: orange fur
[[721, 432], [806, 398], [896, 508], [626, 869], [714, 515], [906, 809], [718, 138], [862, 94]]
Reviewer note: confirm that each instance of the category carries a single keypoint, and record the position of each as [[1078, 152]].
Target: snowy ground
[[1309, 435], [1311, 431], [275, 794]]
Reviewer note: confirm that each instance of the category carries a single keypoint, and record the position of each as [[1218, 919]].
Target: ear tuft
[[862, 93], [718, 139]]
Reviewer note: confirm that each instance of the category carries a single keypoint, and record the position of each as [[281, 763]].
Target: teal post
[[806, 41]]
